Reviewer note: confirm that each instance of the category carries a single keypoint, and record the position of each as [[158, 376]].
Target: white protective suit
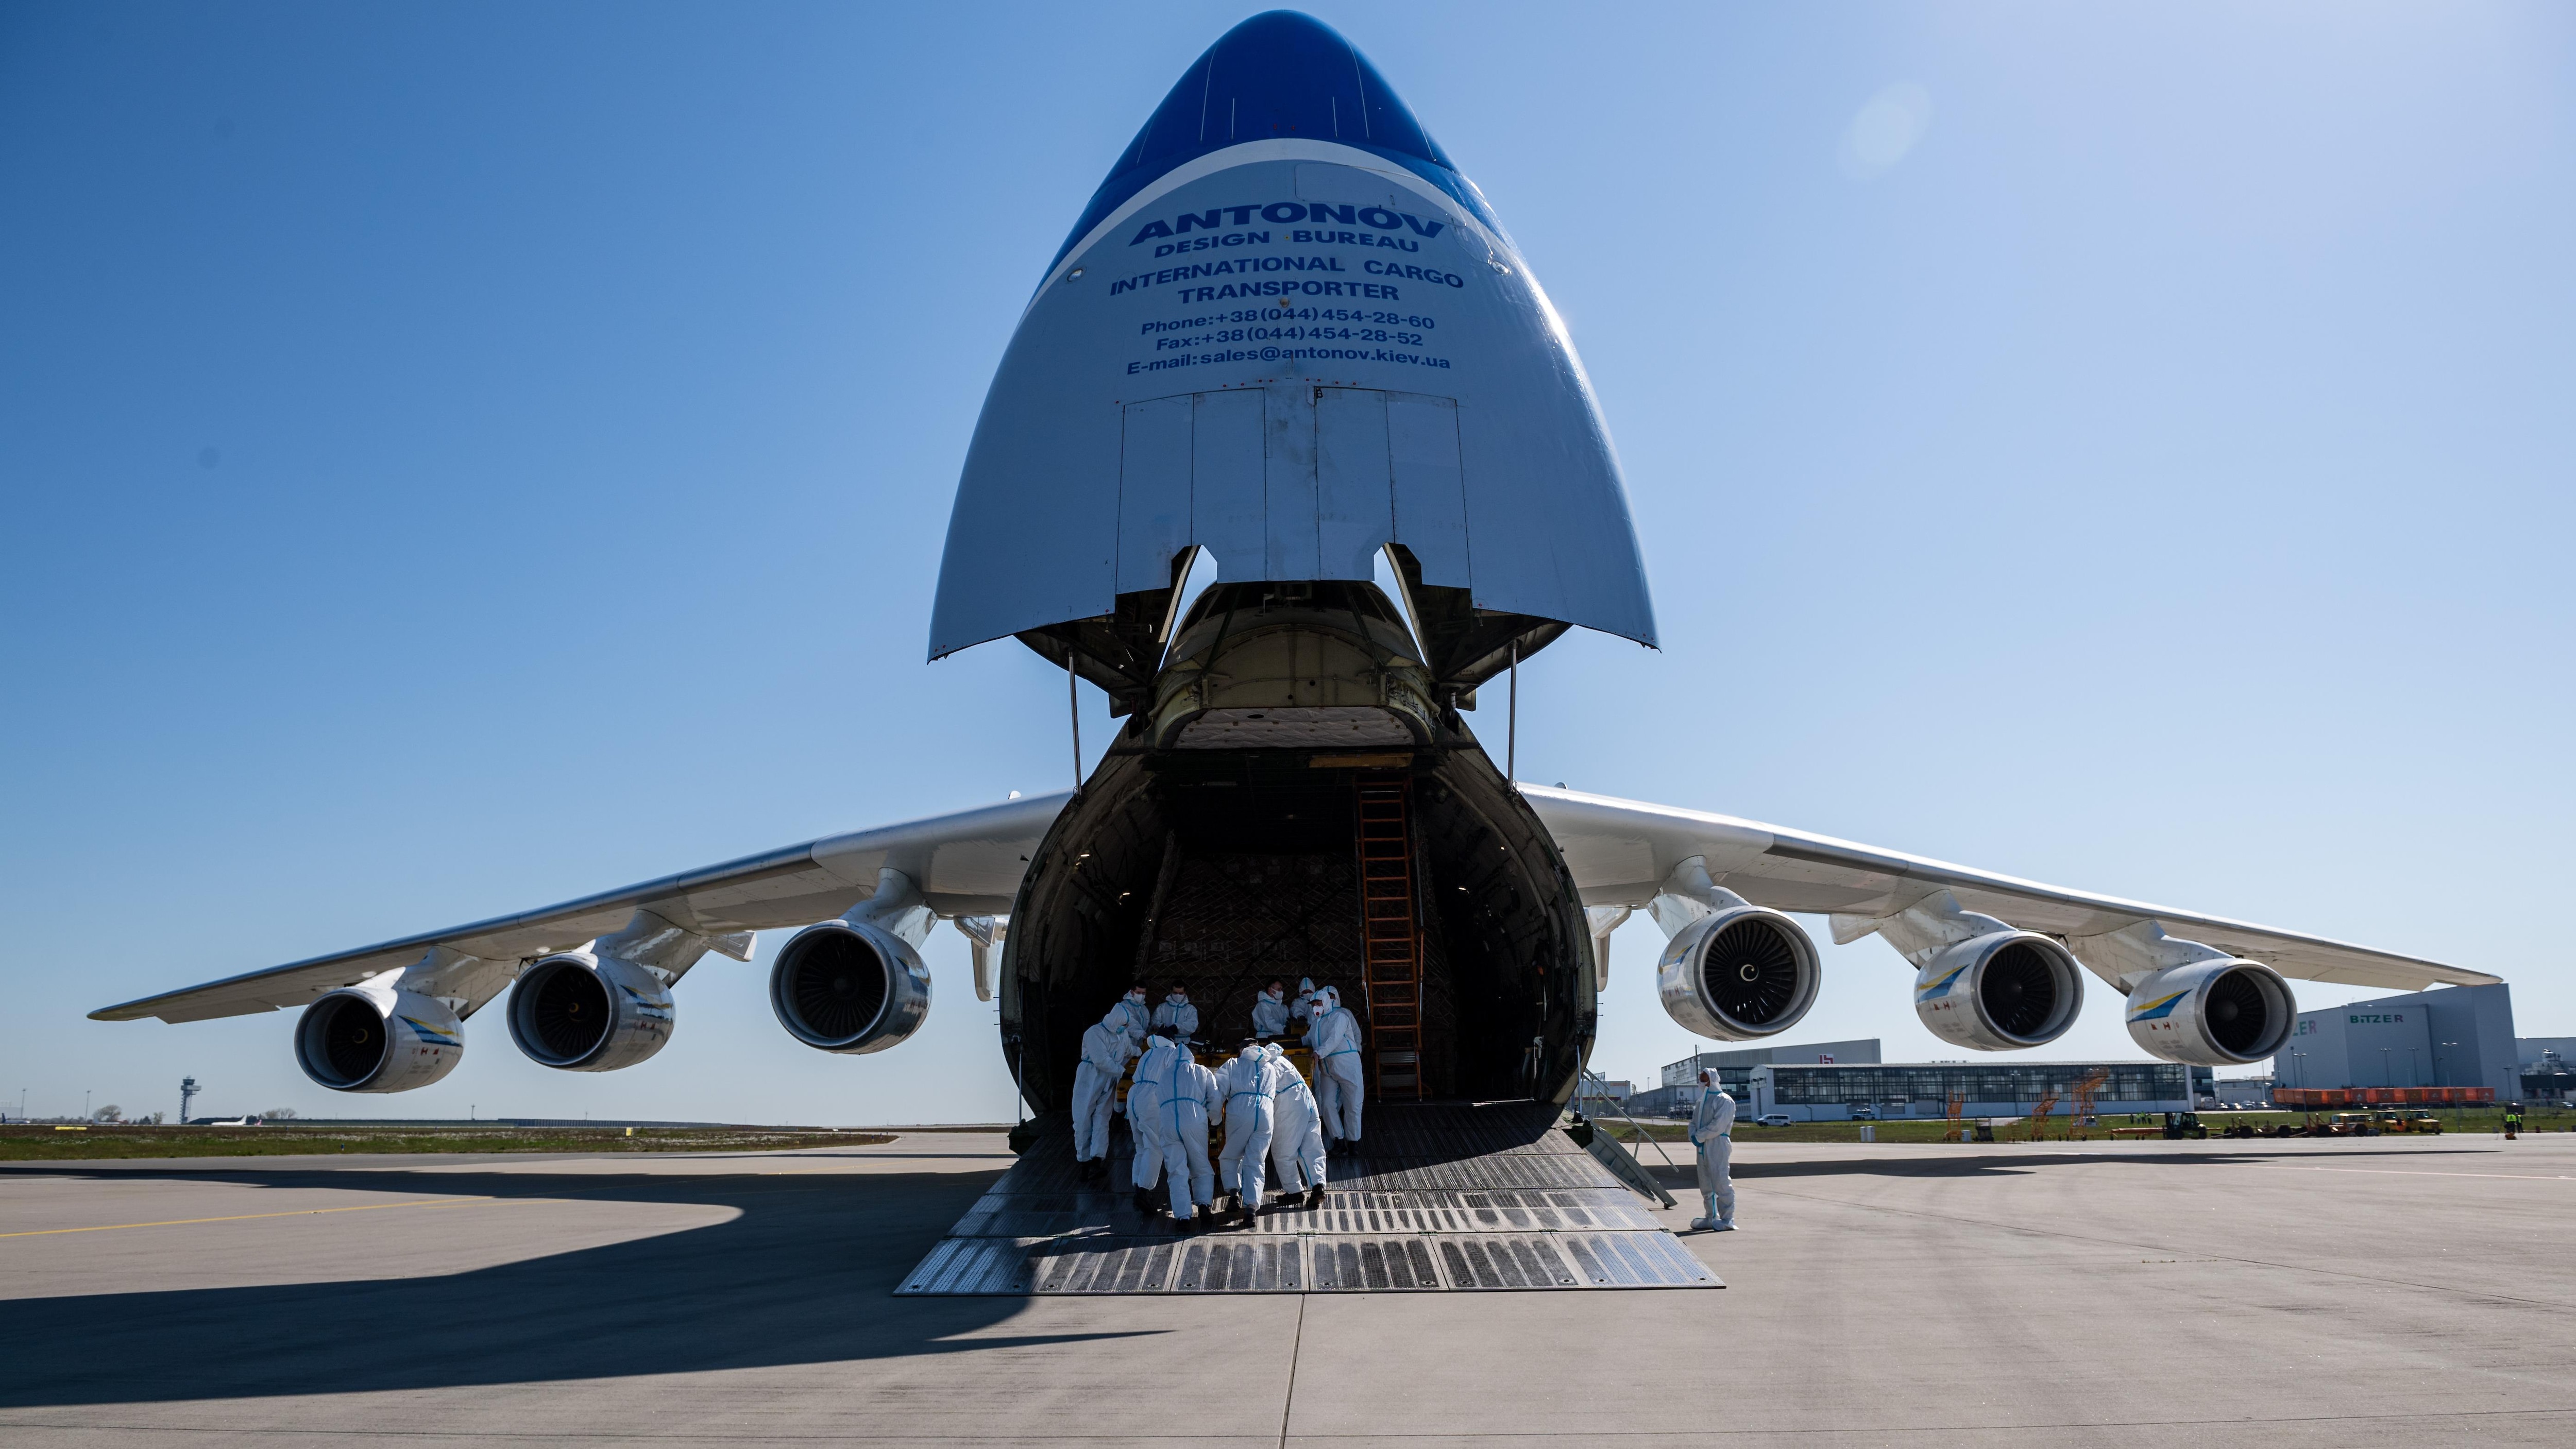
[[1335, 1038], [1177, 1013], [1171, 1125], [1269, 1015], [1301, 1007], [1296, 1128], [1144, 1096], [1140, 1018], [1248, 1087], [1107, 1047], [1712, 1132]]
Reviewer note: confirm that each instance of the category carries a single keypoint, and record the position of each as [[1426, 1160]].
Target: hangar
[[2452, 1036]]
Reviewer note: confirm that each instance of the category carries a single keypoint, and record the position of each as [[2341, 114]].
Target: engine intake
[[361, 1040], [2000, 992], [2212, 1013], [848, 986], [1738, 974], [583, 1013]]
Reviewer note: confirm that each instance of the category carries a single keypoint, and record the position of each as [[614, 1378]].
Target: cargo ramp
[[1445, 1197]]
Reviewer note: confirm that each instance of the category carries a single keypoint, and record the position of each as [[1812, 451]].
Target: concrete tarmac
[[2358, 1292]]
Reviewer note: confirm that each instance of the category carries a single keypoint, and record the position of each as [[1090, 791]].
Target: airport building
[[1833, 1081], [1598, 1096], [1737, 1060], [2532, 1051], [2452, 1036], [1680, 1090], [1998, 1088], [2548, 1068]]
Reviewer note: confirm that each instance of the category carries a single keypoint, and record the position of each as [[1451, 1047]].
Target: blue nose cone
[[1277, 76]]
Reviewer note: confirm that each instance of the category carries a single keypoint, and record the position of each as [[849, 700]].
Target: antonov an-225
[[1289, 337]]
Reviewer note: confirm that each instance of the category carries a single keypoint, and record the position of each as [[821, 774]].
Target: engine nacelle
[[849, 986], [2000, 992], [1738, 974], [365, 1039], [587, 1013], [2212, 1013]]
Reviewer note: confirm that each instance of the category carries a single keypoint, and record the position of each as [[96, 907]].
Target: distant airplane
[[1288, 338]]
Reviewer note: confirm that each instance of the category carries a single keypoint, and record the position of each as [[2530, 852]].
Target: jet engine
[[586, 1013], [1999, 992], [849, 986], [1738, 974], [2212, 1013], [366, 1039]]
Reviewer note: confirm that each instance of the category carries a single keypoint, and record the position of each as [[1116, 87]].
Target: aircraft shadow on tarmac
[[803, 1274]]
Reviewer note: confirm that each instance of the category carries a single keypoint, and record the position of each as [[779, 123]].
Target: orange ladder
[[1391, 944]]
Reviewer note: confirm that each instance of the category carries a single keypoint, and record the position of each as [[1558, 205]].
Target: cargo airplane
[[1290, 341]]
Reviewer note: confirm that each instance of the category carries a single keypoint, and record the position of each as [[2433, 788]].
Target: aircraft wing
[[968, 863], [1621, 851]]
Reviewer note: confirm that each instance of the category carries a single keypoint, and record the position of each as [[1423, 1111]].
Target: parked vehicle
[[1864, 1114], [1772, 1119]]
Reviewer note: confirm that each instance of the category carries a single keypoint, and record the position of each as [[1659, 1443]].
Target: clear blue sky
[[457, 457]]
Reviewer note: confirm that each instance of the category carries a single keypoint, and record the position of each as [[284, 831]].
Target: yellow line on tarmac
[[246, 1217]]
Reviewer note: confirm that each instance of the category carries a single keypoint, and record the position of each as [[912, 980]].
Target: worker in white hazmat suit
[[1335, 1039], [1107, 1047], [1248, 1087], [1140, 1017], [1211, 1100], [1172, 1127], [1301, 1007], [1144, 1117], [1296, 1131], [1177, 1013], [1712, 1131], [1270, 1012]]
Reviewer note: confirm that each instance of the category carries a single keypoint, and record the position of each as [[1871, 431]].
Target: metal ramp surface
[[1446, 1198]]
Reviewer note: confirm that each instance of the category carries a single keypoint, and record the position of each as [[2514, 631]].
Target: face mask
[[1176, 998]]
